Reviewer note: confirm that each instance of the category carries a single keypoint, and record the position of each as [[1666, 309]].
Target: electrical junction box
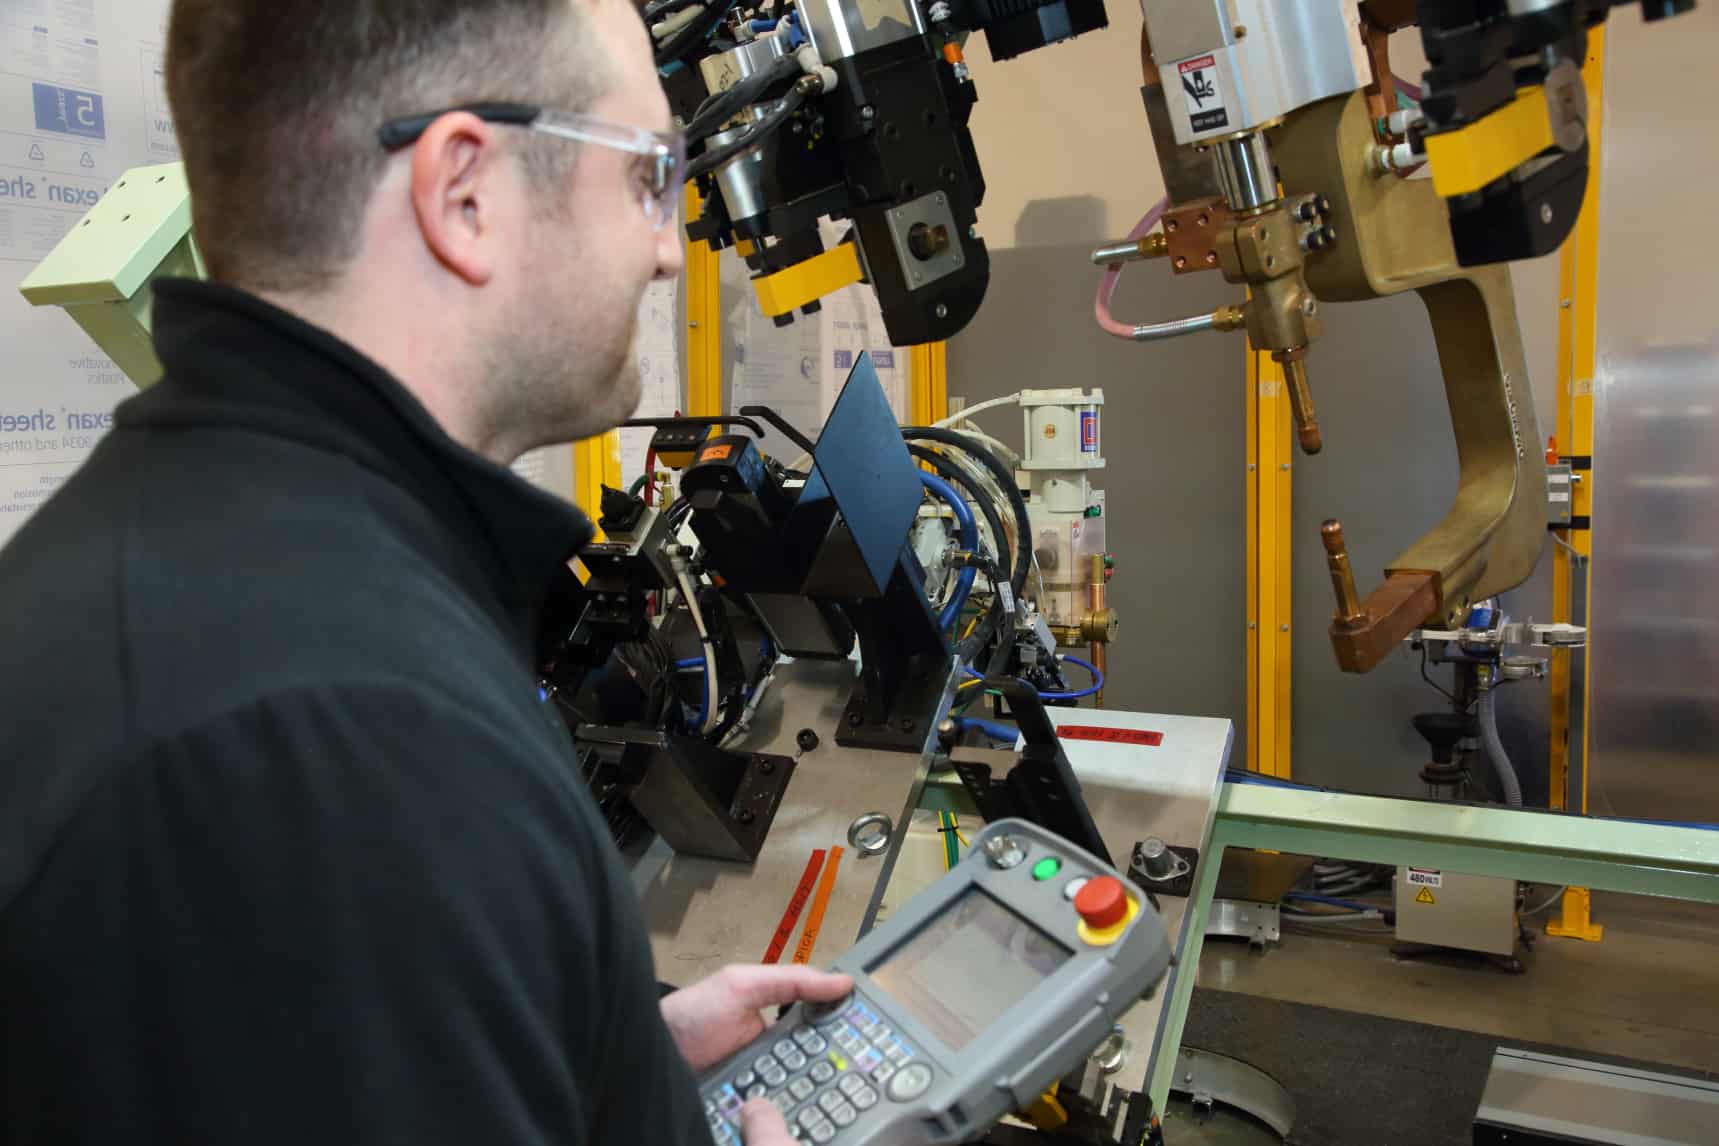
[[1064, 444], [102, 270], [1467, 912], [1062, 429], [1229, 66], [1560, 485]]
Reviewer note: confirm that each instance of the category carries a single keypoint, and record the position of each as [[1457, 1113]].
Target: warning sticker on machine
[[1425, 895], [1205, 100], [1424, 877]]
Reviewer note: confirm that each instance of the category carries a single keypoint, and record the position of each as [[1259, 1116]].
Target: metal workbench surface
[[703, 914]]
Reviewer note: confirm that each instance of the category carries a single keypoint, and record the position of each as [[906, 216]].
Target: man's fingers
[[762, 985], [761, 1124], [766, 986]]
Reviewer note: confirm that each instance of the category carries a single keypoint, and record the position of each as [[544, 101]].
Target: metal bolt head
[[766, 766], [1211, 258], [868, 112], [807, 739], [1546, 213], [1283, 628], [1309, 306], [855, 720], [746, 815], [1112, 1054], [1004, 851], [1155, 859], [907, 724], [940, 311]]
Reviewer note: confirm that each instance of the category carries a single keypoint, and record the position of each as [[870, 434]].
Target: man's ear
[[456, 187]]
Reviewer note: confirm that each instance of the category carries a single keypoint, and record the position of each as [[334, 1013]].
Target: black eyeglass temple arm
[[398, 133]]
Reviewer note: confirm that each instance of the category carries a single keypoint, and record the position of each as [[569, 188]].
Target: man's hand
[[761, 1124], [715, 1017]]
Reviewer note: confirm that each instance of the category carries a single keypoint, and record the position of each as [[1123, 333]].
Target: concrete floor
[[1649, 990]]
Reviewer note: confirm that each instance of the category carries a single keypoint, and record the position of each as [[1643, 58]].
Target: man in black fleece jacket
[[290, 851]]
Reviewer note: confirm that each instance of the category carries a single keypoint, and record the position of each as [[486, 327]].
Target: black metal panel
[[1520, 218], [863, 463], [702, 800], [1042, 786]]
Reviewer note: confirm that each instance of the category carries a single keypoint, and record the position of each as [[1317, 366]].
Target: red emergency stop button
[[1102, 903]]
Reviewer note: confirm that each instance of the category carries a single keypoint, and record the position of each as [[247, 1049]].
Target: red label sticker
[[820, 901], [796, 904], [1196, 64], [1137, 736]]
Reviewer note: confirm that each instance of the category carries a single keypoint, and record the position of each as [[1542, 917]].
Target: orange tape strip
[[796, 904], [814, 921]]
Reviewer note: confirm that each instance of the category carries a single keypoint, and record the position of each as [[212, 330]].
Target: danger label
[[1136, 736], [1424, 877], [1425, 895], [1204, 97]]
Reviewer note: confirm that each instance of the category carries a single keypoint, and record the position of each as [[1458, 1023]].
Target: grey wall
[[1176, 456], [1175, 440], [1388, 472]]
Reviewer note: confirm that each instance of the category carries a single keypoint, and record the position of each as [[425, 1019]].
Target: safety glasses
[[660, 167]]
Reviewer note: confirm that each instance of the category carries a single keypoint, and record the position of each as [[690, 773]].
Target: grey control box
[[968, 1002], [1560, 489]]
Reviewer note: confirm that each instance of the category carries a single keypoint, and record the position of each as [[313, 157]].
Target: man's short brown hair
[[277, 103]]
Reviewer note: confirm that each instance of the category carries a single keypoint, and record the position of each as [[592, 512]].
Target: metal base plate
[[703, 914], [758, 796], [1179, 882], [911, 718], [1258, 923]]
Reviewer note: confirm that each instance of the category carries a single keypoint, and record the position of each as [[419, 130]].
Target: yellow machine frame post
[[597, 461], [1269, 536], [928, 381], [703, 322], [1578, 277]]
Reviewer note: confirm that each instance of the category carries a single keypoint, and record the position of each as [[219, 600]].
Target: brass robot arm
[[1392, 236]]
